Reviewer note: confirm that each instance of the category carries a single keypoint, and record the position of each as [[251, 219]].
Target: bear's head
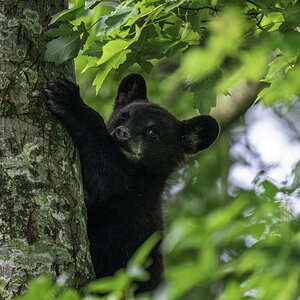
[[149, 136]]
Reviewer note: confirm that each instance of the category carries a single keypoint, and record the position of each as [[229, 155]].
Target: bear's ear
[[198, 133], [132, 87]]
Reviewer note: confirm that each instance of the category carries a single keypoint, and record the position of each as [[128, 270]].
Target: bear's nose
[[122, 133]]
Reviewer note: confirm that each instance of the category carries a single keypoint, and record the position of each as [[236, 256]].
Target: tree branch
[[242, 98]]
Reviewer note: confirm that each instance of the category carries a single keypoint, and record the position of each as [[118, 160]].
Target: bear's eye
[[124, 116], [152, 133]]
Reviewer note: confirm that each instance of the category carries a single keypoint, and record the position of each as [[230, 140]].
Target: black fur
[[125, 166]]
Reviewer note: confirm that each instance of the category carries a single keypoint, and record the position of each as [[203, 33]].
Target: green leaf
[[222, 217], [256, 230], [173, 4], [137, 273], [197, 19], [64, 48], [205, 96], [117, 18], [158, 47], [233, 291], [118, 282], [114, 54], [145, 65], [296, 181], [282, 89], [277, 68], [68, 14], [69, 295], [224, 40], [112, 63], [143, 12], [270, 189], [63, 30], [90, 4], [114, 47], [251, 68], [143, 252], [291, 16], [95, 50], [40, 288]]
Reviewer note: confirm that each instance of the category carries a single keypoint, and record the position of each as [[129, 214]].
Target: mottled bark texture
[[42, 212]]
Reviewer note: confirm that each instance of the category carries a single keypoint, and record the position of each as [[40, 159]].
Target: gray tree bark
[[42, 212]]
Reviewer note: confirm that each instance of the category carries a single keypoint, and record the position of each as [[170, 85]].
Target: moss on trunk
[[42, 212]]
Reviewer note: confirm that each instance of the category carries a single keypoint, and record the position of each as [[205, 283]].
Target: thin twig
[[254, 3], [200, 8], [172, 23], [150, 15], [166, 22], [252, 14], [259, 22]]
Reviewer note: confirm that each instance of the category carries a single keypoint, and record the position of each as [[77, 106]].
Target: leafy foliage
[[242, 39], [67, 45]]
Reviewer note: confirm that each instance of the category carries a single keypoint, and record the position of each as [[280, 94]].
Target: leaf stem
[[150, 15]]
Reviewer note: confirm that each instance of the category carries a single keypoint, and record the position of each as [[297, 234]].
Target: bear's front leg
[[86, 127], [65, 103]]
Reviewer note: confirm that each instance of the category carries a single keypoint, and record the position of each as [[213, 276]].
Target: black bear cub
[[125, 166]]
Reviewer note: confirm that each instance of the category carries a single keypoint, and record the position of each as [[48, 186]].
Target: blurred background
[[252, 167], [256, 143]]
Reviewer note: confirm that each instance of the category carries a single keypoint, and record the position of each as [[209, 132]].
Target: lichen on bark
[[42, 212]]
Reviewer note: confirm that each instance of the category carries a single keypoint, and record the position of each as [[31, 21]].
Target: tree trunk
[[42, 212]]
